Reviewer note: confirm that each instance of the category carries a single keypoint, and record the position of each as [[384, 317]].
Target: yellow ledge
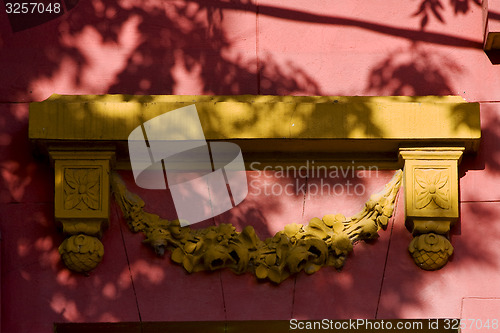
[[290, 128]]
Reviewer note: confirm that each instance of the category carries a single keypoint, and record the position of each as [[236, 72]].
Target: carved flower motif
[[433, 188], [82, 186]]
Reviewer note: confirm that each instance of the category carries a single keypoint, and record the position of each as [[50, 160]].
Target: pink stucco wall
[[296, 47]]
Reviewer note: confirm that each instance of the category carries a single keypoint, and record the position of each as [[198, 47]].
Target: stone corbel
[[81, 204], [431, 202]]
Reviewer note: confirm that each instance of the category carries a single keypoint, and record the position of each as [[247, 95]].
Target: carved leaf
[[441, 179], [271, 259], [261, 272], [177, 256], [190, 247], [423, 199], [383, 220], [80, 176], [92, 178], [91, 197], [70, 178], [274, 275], [338, 227], [188, 264], [421, 178], [292, 229], [313, 229], [441, 200], [72, 200]]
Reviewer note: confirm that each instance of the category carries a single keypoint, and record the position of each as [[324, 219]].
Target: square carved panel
[[81, 187], [431, 187]]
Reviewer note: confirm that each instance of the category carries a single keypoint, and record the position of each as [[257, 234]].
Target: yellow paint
[[430, 251], [81, 204], [431, 164], [390, 121], [81, 253]]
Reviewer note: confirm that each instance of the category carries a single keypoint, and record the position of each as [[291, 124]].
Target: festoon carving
[[323, 242]]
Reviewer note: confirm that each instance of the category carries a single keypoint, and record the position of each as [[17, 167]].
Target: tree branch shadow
[[162, 38]]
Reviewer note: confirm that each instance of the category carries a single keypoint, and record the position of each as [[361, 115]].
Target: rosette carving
[[323, 242], [81, 189], [433, 189]]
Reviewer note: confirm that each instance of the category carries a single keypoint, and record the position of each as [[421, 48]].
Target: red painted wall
[[292, 47]]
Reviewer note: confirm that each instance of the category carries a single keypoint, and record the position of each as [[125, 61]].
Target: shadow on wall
[[434, 9], [131, 270], [414, 71], [149, 47], [153, 48], [160, 42]]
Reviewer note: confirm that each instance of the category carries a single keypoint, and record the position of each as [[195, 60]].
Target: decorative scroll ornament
[[323, 242]]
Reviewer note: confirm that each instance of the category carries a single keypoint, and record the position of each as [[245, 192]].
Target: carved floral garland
[[323, 242]]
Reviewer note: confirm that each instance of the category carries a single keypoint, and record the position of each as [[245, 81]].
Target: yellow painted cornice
[[270, 128]]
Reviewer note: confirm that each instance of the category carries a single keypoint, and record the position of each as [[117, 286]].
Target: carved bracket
[[82, 205], [431, 202]]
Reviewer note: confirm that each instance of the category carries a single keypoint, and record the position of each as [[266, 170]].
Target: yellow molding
[[434, 153], [295, 124]]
